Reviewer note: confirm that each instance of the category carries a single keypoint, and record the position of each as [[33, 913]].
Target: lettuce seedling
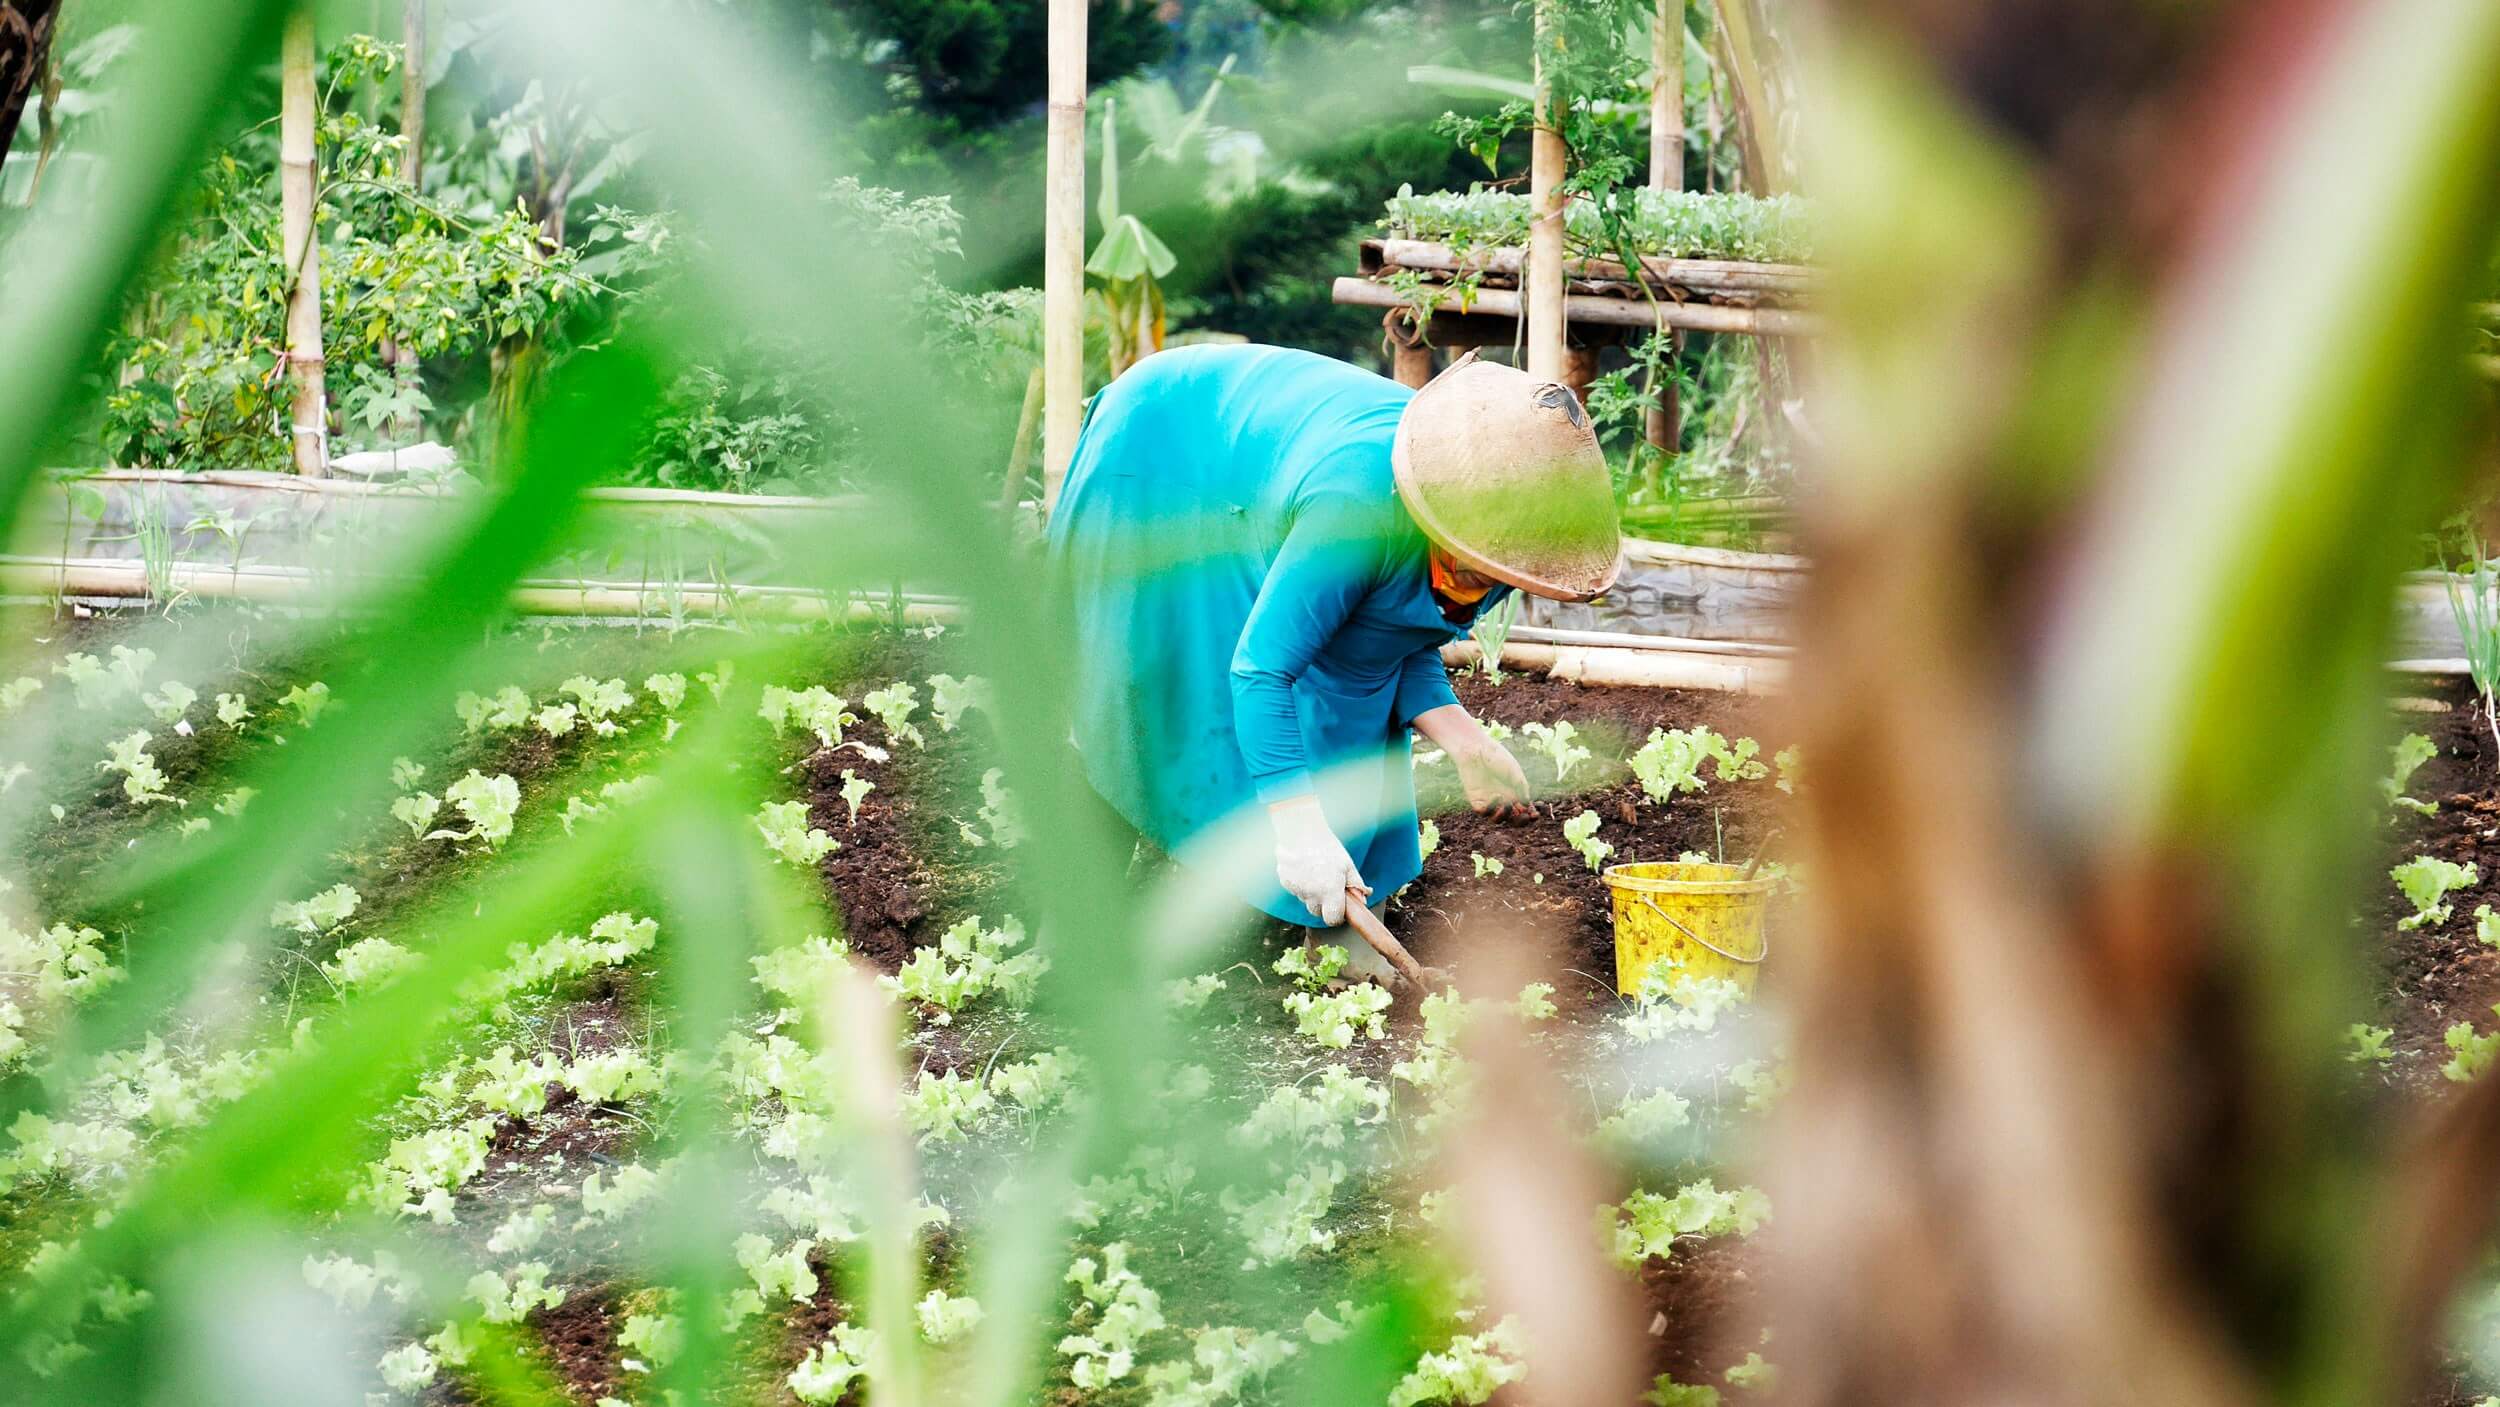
[[1581, 831], [320, 913], [1311, 966], [306, 702], [2403, 760], [1121, 1310], [814, 708], [944, 1105], [2469, 1054], [788, 835], [999, 811], [170, 701], [1644, 1121], [510, 1301], [949, 697], [944, 1318], [825, 1376], [1556, 741], [669, 689], [1285, 1223], [1235, 1364], [489, 803], [1318, 1116], [233, 710], [1648, 1224], [855, 789], [1332, 1021], [654, 1339], [1040, 1083], [142, 782], [368, 962], [2427, 880], [1791, 764], [2369, 1044], [1428, 838], [1469, 1371], [506, 709], [601, 700], [15, 693], [777, 1274], [893, 705]]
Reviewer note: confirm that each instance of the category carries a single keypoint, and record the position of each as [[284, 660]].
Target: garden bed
[[918, 860]]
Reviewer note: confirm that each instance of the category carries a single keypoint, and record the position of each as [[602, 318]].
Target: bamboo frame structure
[[308, 431], [1606, 312], [1725, 280], [1541, 283], [1063, 248]]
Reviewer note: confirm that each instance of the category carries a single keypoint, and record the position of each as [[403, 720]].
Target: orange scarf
[[1447, 588]]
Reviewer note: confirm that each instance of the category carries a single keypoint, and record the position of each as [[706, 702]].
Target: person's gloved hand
[[1493, 781], [1311, 863]]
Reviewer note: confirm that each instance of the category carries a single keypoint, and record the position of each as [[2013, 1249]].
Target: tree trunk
[[1542, 280], [298, 173], [1063, 249], [25, 52]]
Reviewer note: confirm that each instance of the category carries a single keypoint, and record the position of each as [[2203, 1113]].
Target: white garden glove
[[1311, 862]]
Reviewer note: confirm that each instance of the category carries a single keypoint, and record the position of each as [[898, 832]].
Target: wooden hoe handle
[[1383, 941]]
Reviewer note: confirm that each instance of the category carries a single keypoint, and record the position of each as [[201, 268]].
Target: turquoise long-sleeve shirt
[[1251, 601]]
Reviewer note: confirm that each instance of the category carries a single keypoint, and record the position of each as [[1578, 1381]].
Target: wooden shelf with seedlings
[[1436, 296]]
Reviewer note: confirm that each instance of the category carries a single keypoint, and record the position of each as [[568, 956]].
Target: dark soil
[[579, 1336], [2440, 974], [1569, 909], [1705, 1310]]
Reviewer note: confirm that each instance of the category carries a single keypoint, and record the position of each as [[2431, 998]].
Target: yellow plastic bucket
[[1694, 917]]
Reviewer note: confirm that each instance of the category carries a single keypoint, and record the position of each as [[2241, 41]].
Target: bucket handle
[[1722, 952]]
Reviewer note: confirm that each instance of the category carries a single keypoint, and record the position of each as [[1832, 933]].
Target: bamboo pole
[[1543, 281], [304, 588], [308, 421], [1662, 425], [412, 92], [1633, 668], [1063, 249], [1020, 454], [1666, 97]]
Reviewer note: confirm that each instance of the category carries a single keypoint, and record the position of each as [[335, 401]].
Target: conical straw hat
[[1503, 472]]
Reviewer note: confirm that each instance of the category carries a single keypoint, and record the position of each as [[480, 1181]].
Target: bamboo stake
[[1543, 281], [1660, 426], [1063, 249], [308, 421], [1020, 454], [412, 93], [1666, 97], [1765, 167]]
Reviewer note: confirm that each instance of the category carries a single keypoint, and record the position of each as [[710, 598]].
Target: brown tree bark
[[25, 49]]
